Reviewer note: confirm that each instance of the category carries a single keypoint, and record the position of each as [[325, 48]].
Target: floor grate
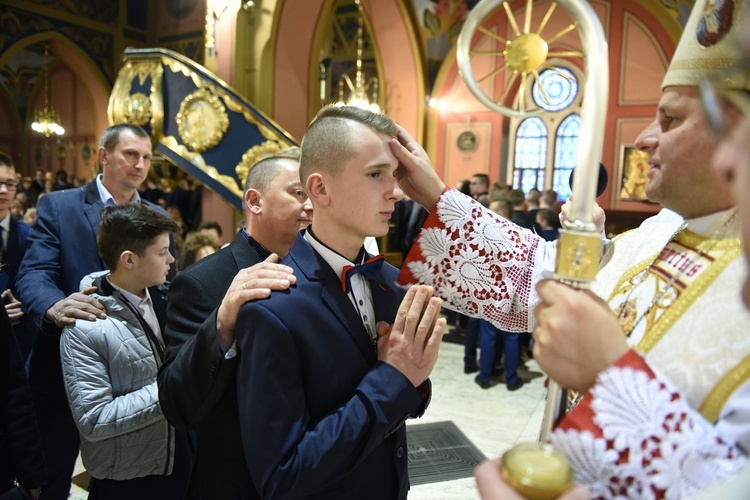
[[440, 452]]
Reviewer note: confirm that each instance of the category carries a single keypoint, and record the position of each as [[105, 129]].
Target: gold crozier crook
[[525, 55]]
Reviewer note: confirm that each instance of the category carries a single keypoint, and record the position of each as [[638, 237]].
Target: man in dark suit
[[21, 457], [325, 384], [61, 249], [13, 233], [197, 383]]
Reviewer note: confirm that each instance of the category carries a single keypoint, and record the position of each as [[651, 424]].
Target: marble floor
[[493, 419]]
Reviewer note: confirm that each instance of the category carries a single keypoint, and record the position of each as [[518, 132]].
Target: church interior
[[281, 60], [219, 84]]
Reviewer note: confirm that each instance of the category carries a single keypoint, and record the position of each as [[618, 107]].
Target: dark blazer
[[14, 251], [320, 415], [21, 456], [197, 386], [13, 254]]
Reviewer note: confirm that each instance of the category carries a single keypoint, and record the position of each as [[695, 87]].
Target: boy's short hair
[[516, 197], [548, 215], [484, 178], [130, 226], [6, 160], [502, 207], [329, 141], [549, 196], [499, 191]]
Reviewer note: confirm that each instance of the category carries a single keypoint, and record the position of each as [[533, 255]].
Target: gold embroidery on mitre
[[705, 49]]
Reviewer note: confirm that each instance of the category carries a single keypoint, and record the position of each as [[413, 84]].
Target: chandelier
[[362, 93], [46, 119]]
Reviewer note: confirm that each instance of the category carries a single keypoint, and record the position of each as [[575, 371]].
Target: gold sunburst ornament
[[525, 55]]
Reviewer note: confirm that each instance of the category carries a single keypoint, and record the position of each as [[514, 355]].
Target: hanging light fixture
[[362, 93], [46, 119]]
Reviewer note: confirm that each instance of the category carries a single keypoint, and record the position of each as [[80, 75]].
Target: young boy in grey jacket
[[110, 364]]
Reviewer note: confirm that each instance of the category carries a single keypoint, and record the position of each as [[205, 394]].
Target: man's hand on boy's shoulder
[[78, 305], [252, 283], [411, 344]]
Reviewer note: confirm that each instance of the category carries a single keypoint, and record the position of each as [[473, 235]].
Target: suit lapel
[[316, 269], [244, 255], [8, 256], [159, 300]]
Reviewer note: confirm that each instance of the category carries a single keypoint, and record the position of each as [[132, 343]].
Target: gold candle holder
[[536, 471]]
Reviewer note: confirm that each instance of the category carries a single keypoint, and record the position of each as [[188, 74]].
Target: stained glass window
[[566, 152], [560, 92], [530, 154]]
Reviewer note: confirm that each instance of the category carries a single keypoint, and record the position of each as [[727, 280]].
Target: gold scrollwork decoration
[[138, 109], [254, 155], [179, 67], [202, 120]]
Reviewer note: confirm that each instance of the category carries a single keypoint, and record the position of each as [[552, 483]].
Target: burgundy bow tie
[[370, 269]]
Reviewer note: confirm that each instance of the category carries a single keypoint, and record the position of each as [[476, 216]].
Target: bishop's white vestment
[[672, 416]]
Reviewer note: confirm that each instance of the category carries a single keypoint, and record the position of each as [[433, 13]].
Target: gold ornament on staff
[[524, 56]]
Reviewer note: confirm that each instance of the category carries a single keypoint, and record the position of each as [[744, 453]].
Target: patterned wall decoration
[[19, 76], [190, 45], [93, 10], [442, 21], [18, 24]]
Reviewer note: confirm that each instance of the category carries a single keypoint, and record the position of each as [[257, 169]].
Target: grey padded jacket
[[109, 371]]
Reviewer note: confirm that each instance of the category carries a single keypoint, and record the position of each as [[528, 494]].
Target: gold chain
[[704, 247]]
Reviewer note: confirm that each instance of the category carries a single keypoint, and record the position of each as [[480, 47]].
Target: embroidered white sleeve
[[654, 445], [481, 264]]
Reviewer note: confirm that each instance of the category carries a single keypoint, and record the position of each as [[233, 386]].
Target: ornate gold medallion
[[202, 120], [138, 109], [253, 156]]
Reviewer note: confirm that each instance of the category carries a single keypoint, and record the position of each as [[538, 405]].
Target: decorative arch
[[296, 71], [85, 74]]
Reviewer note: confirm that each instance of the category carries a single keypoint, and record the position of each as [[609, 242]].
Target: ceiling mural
[[441, 22], [19, 75]]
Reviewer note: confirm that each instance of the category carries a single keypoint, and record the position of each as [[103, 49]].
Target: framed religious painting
[[634, 167]]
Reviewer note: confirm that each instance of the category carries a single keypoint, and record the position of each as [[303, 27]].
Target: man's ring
[[244, 286]]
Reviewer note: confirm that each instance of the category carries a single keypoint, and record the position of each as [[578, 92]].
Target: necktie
[[369, 269]]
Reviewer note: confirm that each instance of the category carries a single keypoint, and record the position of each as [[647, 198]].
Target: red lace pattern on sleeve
[[479, 263], [633, 436]]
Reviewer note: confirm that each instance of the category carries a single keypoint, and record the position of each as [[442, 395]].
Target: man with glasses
[[665, 378]]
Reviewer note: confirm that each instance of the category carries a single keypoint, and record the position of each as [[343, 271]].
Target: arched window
[[531, 154], [566, 153], [542, 158]]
